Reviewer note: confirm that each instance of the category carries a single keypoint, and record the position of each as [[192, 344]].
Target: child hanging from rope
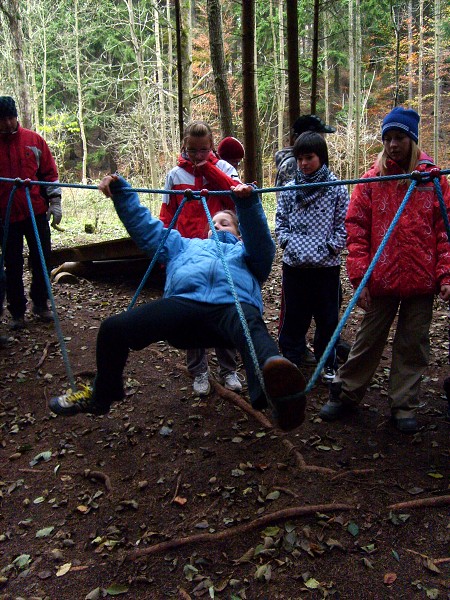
[[199, 167], [197, 308]]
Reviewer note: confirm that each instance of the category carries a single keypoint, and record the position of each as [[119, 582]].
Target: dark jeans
[[309, 293], [184, 324], [15, 293]]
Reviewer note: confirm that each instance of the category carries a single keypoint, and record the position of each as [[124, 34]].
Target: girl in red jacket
[[413, 267], [198, 167]]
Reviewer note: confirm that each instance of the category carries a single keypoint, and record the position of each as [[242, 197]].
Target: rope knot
[[204, 193], [22, 182], [416, 176], [435, 173], [188, 194]]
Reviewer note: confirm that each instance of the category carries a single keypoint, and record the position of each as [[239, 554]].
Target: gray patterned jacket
[[313, 235]]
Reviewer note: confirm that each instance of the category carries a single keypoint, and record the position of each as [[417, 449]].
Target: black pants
[[15, 293], [309, 293], [184, 324]]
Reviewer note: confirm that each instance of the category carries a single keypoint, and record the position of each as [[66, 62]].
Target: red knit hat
[[230, 149]]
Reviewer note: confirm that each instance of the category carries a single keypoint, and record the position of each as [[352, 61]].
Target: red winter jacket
[[416, 259], [25, 154], [215, 174]]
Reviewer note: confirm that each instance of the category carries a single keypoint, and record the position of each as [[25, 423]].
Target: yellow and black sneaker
[[83, 401]]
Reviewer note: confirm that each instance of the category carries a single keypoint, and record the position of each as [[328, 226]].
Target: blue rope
[[50, 295], [416, 176], [359, 289], [236, 299], [157, 253]]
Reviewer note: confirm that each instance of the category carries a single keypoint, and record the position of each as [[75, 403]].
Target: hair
[[197, 129], [311, 141], [383, 157], [233, 217]]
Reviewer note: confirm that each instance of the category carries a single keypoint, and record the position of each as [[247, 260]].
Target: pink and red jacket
[[416, 259]]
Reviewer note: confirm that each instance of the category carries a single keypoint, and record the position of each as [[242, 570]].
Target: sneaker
[[72, 403], [231, 382], [405, 424], [18, 324], [201, 385], [328, 374], [335, 409], [284, 385], [308, 359], [44, 314]]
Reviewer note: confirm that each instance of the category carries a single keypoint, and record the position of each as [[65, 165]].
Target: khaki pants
[[410, 351]]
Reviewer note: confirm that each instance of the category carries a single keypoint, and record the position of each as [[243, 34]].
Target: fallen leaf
[[45, 532], [116, 588], [63, 569], [180, 500], [389, 578]]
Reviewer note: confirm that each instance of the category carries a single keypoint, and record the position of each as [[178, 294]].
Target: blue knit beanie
[[405, 119], [7, 107]]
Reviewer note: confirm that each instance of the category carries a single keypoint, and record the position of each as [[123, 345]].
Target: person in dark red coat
[[413, 267], [24, 154]]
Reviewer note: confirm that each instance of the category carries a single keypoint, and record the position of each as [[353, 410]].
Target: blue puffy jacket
[[194, 268]]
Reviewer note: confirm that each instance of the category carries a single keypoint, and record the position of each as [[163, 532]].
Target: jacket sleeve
[[443, 245], [48, 171], [358, 223], [142, 227], [337, 240], [169, 202], [282, 228], [258, 243]]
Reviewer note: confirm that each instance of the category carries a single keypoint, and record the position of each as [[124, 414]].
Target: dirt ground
[[272, 515]]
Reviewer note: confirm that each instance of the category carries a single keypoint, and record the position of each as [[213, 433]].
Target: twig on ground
[[99, 476], [301, 463], [421, 503], [43, 355], [352, 472], [287, 513], [177, 487]]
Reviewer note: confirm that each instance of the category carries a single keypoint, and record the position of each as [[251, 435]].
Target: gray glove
[[55, 210]]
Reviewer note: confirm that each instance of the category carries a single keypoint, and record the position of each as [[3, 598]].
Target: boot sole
[[284, 386]]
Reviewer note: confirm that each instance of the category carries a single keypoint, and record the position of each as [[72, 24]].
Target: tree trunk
[[410, 51], [170, 89], [326, 69], [160, 83], [219, 67], [420, 70], [184, 54], [437, 79], [80, 110], [282, 78], [253, 169], [11, 10], [358, 59], [293, 64], [315, 58]]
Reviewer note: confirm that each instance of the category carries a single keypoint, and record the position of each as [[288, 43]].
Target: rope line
[[415, 177]]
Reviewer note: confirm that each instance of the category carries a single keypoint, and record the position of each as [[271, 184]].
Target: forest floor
[[173, 496]]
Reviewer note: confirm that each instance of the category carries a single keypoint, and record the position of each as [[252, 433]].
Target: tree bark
[[253, 168], [11, 10], [219, 67], [293, 64]]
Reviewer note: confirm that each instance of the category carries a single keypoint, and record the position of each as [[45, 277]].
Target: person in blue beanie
[[413, 267], [197, 309]]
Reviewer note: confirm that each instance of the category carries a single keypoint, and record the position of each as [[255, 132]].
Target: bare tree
[[219, 66], [253, 166], [11, 10], [293, 64]]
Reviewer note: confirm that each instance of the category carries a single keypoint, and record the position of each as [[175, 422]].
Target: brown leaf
[[389, 578]]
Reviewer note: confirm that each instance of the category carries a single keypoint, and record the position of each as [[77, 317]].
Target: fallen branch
[[301, 463], [44, 355], [177, 487], [242, 404], [421, 503], [99, 476], [352, 472], [287, 513]]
